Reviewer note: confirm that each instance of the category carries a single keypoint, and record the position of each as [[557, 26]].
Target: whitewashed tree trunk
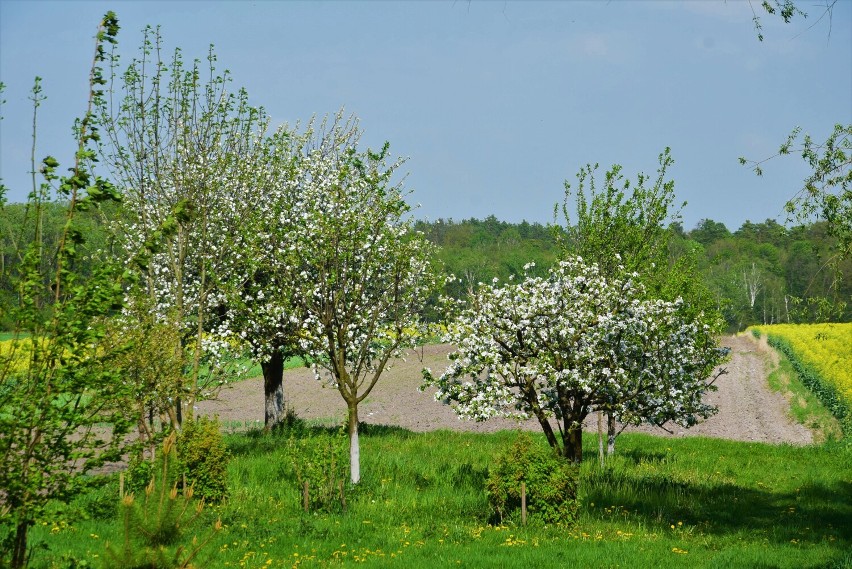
[[354, 447]]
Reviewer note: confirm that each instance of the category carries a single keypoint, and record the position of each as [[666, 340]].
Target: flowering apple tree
[[258, 299], [560, 347], [359, 275], [186, 151], [621, 227]]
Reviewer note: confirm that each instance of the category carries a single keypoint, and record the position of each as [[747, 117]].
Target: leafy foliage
[[152, 371], [827, 191], [786, 9], [316, 457], [202, 459], [57, 381], [550, 483]]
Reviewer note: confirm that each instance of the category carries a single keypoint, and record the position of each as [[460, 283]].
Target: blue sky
[[495, 104]]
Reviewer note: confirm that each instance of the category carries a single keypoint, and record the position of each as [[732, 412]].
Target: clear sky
[[495, 104]]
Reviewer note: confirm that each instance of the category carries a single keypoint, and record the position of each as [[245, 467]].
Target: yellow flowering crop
[[16, 354], [827, 348]]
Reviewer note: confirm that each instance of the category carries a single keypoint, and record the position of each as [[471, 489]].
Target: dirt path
[[748, 409]]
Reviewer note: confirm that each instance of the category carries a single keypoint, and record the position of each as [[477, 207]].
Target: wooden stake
[[306, 497], [342, 497], [121, 484], [523, 503]]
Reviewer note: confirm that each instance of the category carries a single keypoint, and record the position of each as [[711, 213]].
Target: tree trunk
[[600, 438], [573, 443], [354, 448], [610, 434], [19, 549], [273, 389]]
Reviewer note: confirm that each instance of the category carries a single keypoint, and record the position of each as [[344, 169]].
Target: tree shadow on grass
[[373, 430], [260, 440], [813, 513]]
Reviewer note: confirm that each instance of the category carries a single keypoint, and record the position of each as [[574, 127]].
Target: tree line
[[760, 273]]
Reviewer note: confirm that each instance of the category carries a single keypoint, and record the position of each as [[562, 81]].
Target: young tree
[[187, 151], [621, 226], [359, 275], [57, 382], [560, 347], [623, 229]]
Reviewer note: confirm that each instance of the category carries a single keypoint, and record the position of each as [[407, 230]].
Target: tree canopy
[[561, 347]]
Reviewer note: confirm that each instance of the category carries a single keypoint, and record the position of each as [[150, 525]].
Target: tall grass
[[692, 502]]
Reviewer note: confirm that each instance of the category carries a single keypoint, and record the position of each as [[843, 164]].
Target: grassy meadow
[[676, 502], [690, 502]]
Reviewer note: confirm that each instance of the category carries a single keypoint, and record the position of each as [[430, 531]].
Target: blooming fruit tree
[[621, 227], [359, 275], [187, 152], [258, 299], [558, 348]]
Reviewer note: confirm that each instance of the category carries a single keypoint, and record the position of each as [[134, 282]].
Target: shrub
[[317, 457], [551, 484], [155, 525], [203, 459], [138, 474]]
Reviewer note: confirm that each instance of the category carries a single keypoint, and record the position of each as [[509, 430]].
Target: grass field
[[691, 502]]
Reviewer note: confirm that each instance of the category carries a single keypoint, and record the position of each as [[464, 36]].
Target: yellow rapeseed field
[[825, 347], [14, 354]]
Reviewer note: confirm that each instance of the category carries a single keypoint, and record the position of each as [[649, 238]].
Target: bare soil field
[[748, 409]]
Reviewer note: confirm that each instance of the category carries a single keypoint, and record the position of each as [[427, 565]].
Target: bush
[[138, 474], [317, 457], [155, 525], [203, 459], [551, 484]]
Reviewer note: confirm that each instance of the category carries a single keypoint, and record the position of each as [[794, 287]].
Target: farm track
[[748, 409]]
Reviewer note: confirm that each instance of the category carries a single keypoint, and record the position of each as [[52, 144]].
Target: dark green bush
[[551, 484], [203, 459], [138, 474]]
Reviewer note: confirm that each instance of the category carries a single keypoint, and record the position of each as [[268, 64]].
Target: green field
[[692, 502]]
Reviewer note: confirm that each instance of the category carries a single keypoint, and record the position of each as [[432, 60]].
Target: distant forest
[[760, 273]]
